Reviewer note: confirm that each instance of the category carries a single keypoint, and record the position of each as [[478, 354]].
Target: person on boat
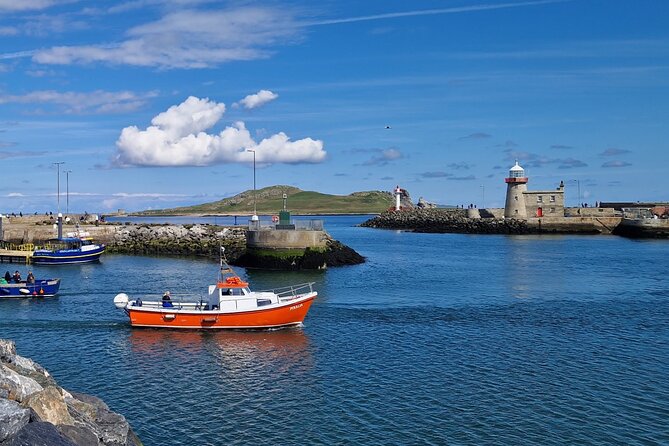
[[8, 277], [3, 281], [17, 276], [167, 300], [30, 279]]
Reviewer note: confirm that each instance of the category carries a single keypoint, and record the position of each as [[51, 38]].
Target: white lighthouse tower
[[398, 196], [516, 184]]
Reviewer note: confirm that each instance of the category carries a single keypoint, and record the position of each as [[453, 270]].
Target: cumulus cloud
[[384, 157], [616, 164], [98, 102], [188, 39], [258, 99], [177, 137], [436, 174], [561, 146], [529, 159], [460, 166], [478, 135], [612, 151]]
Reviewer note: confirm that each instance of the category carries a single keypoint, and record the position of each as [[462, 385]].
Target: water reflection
[[282, 350]]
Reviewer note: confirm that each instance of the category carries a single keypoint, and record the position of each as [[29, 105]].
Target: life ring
[[275, 218]]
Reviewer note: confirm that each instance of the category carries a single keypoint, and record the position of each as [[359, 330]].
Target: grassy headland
[[270, 201]]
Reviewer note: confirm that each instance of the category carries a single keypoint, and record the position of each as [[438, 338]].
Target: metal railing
[[292, 291], [302, 225]]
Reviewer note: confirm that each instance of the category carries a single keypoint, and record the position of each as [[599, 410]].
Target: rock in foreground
[[36, 411]]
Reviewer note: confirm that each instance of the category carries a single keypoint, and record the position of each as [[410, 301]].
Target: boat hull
[[284, 315], [41, 288], [68, 256]]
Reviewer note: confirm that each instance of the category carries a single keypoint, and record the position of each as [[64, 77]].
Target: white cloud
[[188, 39], [24, 5], [99, 101], [260, 98], [177, 137]]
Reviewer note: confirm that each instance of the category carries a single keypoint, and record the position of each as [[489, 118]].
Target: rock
[[18, 386], [7, 349], [39, 434], [12, 418], [49, 406], [424, 204], [81, 435]]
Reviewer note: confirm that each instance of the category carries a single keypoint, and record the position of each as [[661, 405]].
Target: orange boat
[[229, 304]]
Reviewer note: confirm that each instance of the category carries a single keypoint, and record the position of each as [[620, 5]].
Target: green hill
[[270, 201]]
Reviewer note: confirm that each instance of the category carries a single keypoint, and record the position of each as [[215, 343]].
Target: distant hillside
[[270, 201]]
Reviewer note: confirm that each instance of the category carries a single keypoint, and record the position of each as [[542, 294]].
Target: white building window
[[553, 210], [540, 199], [552, 198]]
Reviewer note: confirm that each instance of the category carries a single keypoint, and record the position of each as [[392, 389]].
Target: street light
[[254, 217], [67, 193], [58, 187], [578, 185], [482, 196]]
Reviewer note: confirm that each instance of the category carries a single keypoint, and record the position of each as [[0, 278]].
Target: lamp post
[[255, 197], [578, 186], [482, 196], [67, 191], [58, 186]]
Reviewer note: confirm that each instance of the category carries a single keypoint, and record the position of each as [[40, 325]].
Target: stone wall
[[449, 220], [35, 410], [287, 239]]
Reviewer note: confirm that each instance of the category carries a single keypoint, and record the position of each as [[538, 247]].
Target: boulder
[[19, 387], [39, 434], [7, 349], [12, 418], [50, 406]]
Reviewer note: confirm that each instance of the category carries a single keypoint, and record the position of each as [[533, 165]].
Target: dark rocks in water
[[445, 221], [335, 254], [206, 240], [35, 411]]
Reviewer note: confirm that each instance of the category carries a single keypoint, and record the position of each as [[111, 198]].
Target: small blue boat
[[41, 288], [76, 249]]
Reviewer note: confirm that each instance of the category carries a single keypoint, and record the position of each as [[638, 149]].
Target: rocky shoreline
[[446, 221], [206, 240], [35, 410]]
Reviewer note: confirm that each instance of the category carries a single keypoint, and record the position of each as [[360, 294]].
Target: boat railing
[[293, 291]]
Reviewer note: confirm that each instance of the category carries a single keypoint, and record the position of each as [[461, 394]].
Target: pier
[[12, 253]]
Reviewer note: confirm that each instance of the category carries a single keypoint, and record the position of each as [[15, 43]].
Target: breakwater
[[195, 240], [446, 220], [35, 410], [461, 221]]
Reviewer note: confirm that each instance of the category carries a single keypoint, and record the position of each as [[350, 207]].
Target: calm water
[[437, 339]]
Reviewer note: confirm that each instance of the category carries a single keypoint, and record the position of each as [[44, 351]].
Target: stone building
[[522, 204]]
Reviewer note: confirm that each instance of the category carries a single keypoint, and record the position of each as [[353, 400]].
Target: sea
[[438, 339]]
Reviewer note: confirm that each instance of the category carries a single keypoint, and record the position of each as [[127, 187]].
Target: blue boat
[[79, 248], [41, 288]]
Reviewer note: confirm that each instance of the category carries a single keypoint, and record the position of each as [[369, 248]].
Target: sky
[[154, 104]]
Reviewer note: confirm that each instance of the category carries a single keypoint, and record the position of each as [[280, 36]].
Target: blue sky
[[156, 103]]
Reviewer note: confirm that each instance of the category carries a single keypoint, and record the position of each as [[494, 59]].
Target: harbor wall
[[448, 220], [286, 239], [277, 249]]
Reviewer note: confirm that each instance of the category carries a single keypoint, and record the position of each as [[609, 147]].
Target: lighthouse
[[516, 184], [398, 196]]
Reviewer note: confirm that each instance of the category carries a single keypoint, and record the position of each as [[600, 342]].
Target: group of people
[[16, 278]]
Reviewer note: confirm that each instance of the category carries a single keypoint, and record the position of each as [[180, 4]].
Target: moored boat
[[229, 304], [41, 288], [77, 247]]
